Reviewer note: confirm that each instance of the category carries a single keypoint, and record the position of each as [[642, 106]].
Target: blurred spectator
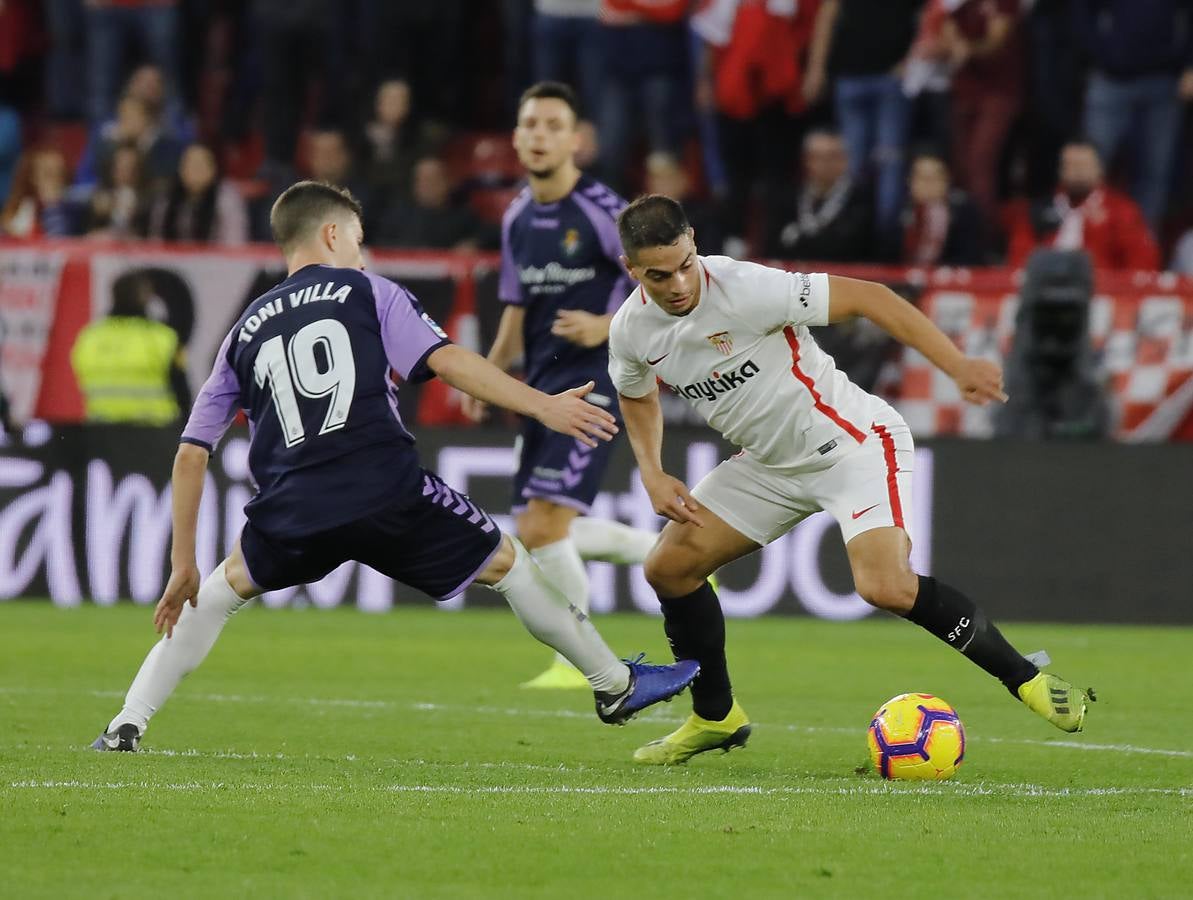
[[928, 77], [644, 47], [119, 207], [941, 225], [833, 216], [665, 175], [199, 205], [38, 204], [63, 87], [134, 124], [297, 58], [329, 159], [749, 78], [390, 140], [128, 365], [22, 44], [864, 45], [10, 146], [431, 219], [986, 44], [1141, 52], [422, 43], [148, 84], [567, 48], [1054, 98], [110, 26], [1084, 214]]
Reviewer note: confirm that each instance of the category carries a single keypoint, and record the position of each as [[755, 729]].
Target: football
[[916, 737]]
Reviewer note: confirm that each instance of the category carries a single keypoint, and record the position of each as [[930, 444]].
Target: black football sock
[[959, 622], [695, 626]]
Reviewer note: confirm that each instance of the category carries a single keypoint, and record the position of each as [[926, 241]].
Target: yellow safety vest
[[123, 367]]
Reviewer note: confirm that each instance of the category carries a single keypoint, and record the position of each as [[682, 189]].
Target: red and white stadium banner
[[29, 288], [1141, 324]]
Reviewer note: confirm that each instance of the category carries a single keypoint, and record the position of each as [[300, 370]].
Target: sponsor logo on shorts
[[720, 383]]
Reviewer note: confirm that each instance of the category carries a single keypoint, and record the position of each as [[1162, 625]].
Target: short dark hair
[[306, 205], [652, 220], [552, 90]]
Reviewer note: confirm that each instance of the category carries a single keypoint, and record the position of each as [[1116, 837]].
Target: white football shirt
[[747, 363]]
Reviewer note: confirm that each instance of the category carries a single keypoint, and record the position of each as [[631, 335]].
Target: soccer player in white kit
[[732, 338]]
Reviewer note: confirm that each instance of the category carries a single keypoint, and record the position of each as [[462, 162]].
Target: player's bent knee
[[893, 592], [237, 575], [500, 562], [672, 572]]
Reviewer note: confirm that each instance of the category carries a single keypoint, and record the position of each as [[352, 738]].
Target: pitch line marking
[[350, 703], [945, 789]]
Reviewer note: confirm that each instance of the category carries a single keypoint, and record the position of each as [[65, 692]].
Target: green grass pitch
[[337, 754]]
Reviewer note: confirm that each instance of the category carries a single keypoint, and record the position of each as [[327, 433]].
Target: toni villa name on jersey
[[312, 293], [720, 383]]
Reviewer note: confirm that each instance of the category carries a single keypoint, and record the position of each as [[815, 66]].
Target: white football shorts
[[869, 487]]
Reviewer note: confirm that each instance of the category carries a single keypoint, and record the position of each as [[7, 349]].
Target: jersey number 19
[[292, 370]]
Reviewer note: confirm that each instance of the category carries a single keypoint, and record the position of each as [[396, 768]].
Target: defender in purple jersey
[[561, 281], [337, 474]]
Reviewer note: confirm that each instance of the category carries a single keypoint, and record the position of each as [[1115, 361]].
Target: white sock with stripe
[[562, 565], [172, 658], [606, 540], [547, 614]]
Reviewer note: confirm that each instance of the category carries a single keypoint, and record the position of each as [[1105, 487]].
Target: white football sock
[[547, 614], [608, 541], [564, 568], [174, 657]]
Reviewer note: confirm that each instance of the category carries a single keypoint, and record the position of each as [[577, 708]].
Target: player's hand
[[980, 381], [182, 586], [569, 413], [670, 498], [476, 410], [580, 327]]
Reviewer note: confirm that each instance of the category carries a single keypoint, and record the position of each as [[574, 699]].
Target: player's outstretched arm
[[506, 350], [568, 412], [644, 424], [190, 467], [979, 380]]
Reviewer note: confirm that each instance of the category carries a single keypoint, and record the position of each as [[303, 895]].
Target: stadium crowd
[[926, 132]]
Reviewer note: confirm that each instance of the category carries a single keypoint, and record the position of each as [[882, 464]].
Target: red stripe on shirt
[[793, 342], [892, 469]]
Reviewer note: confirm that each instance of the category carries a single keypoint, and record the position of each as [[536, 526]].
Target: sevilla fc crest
[[723, 341]]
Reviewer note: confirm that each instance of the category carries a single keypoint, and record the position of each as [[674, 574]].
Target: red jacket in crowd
[[1108, 225]]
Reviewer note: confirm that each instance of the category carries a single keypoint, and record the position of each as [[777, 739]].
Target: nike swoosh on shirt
[[651, 362], [858, 515]]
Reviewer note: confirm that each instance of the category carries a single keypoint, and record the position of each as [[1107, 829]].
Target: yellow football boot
[[697, 735], [1056, 700]]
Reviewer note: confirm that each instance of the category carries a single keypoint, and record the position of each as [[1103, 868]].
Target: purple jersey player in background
[[337, 474], [561, 281]]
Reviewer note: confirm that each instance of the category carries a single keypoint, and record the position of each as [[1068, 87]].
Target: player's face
[[545, 136], [344, 238], [669, 275]]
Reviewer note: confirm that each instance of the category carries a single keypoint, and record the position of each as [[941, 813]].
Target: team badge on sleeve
[[434, 326], [723, 341]]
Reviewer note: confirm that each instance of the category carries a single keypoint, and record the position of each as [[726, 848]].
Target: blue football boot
[[648, 685]]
